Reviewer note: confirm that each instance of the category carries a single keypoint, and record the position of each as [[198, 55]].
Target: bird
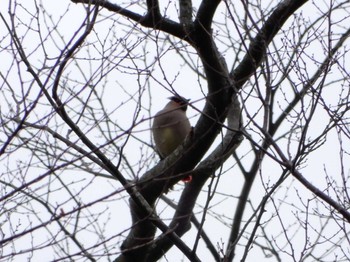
[[171, 126]]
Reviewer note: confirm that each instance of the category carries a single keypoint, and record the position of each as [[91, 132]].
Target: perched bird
[[171, 126]]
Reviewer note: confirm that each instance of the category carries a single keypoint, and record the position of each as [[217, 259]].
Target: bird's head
[[180, 101]]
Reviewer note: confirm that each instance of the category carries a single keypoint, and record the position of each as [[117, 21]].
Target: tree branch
[[206, 13], [185, 12], [152, 19], [181, 219], [265, 35]]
